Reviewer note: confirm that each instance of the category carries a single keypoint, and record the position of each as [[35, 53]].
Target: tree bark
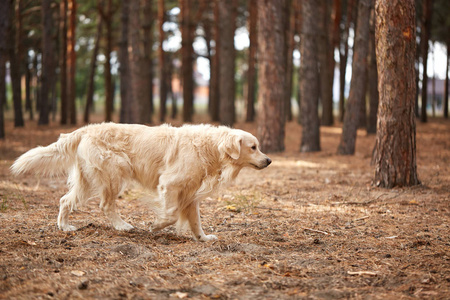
[[227, 26], [214, 101], [126, 113], [373, 79], [290, 42], [343, 54], [109, 97], [186, 60], [93, 65], [146, 68], [71, 61], [272, 74], [309, 79], [63, 61], [5, 7], [162, 63], [425, 36], [47, 61], [358, 82], [396, 134], [251, 73], [326, 92], [446, 81]]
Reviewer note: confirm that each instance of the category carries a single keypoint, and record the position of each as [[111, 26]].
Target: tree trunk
[[146, 67], [373, 79], [186, 60], [344, 58], [47, 61], [125, 90], [63, 61], [15, 62], [93, 65], [425, 36], [71, 61], [309, 79], [272, 74], [162, 63], [5, 7], [251, 73], [290, 42], [227, 26], [396, 134], [109, 98], [326, 92], [28, 100], [446, 81], [359, 79], [214, 101]]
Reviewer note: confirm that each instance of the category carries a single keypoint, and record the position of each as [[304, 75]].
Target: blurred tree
[[5, 7], [63, 60], [187, 32], [395, 153], [290, 10], [107, 18], [272, 79], [71, 61], [252, 49], [372, 79], [309, 78], [214, 98], [358, 82], [227, 85], [162, 62], [424, 39]]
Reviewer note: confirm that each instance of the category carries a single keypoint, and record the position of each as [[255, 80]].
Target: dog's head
[[243, 148]]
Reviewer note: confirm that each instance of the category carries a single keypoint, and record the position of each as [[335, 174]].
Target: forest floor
[[309, 226]]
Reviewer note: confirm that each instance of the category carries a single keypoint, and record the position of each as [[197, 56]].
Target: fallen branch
[[314, 230], [362, 273]]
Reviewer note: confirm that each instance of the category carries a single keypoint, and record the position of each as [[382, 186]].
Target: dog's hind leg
[[108, 205], [192, 214], [169, 213]]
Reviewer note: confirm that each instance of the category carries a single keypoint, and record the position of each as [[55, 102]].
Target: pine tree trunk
[[71, 62], [272, 74], [5, 7], [425, 37], [28, 100], [251, 73], [358, 82], [125, 90], [146, 67], [214, 101], [446, 82], [373, 79], [63, 61], [93, 65], [186, 60], [227, 26], [309, 78], [109, 98], [290, 42], [344, 58], [162, 63], [396, 134], [47, 61], [326, 92]]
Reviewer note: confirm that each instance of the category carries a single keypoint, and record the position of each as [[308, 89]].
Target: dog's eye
[[253, 147]]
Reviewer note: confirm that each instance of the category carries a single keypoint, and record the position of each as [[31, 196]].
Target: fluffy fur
[[184, 165]]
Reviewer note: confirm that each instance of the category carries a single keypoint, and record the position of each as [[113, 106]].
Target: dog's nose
[[269, 161]]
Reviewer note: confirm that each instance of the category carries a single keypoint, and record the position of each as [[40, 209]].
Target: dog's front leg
[[168, 214], [192, 214]]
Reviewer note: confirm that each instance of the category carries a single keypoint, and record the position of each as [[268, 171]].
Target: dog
[[182, 164]]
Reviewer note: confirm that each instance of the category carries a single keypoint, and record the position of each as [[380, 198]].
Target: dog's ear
[[231, 145]]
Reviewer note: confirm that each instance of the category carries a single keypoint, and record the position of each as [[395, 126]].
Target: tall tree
[[186, 59], [290, 24], [227, 26], [372, 79], [272, 74], [71, 61], [107, 17], [162, 62], [92, 67], [5, 7], [358, 82], [424, 38], [47, 61], [214, 100], [447, 63], [15, 55], [63, 60], [395, 154], [309, 78], [252, 49]]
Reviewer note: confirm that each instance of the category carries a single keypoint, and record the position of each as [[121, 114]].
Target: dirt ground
[[309, 226]]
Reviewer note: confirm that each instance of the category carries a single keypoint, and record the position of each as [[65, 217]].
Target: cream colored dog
[[183, 164]]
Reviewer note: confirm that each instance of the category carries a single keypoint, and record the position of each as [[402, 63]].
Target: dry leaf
[[77, 273]]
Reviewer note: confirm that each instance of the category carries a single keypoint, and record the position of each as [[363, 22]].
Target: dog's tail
[[53, 160]]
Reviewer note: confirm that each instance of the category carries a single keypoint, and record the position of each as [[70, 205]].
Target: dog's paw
[[208, 238], [123, 226], [68, 228]]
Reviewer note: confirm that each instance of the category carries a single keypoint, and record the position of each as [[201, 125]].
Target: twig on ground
[[362, 273], [314, 230]]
